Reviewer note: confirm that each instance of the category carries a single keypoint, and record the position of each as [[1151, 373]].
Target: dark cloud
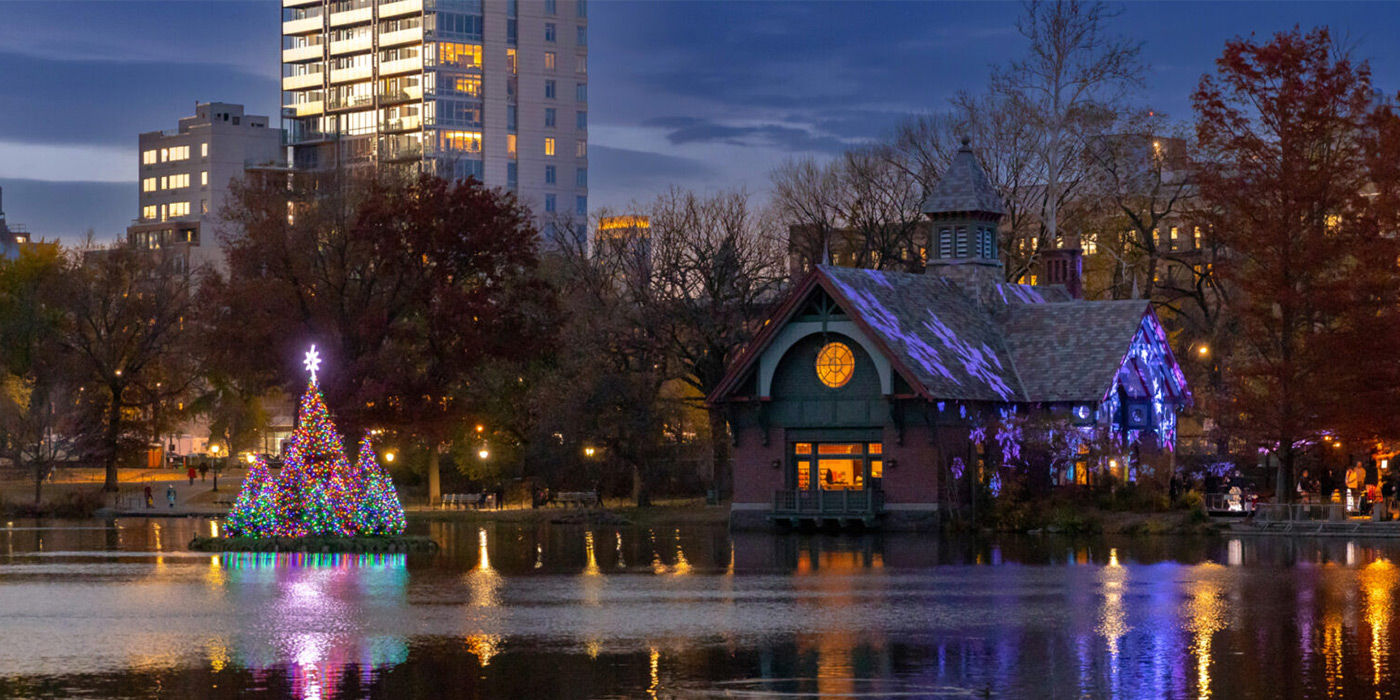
[[624, 169], [67, 210], [687, 130]]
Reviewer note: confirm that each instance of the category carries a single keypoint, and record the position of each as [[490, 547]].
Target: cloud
[[67, 210], [56, 162], [688, 130]]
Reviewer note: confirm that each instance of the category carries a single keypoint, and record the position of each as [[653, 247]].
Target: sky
[[702, 95]]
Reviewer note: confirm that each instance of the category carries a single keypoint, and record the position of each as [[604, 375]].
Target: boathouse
[[886, 399]]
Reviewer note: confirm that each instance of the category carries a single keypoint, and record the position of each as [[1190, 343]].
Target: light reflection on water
[[568, 611]]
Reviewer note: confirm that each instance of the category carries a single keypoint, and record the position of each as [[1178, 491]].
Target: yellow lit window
[[148, 157], [180, 153], [549, 61], [460, 55], [164, 182], [839, 449], [840, 474], [468, 85], [804, 475], [164, 154], [875, 448], [1034, 279], [148, 184], [835, 364], [549, 146], [204, 178], [510, 61], [582, 150], [148, 212], [180, 209], [510, 145], [1090, 244], [1196, 235], [466, 141], [179, 181], [203, 150], [877, 469], [803, 448]]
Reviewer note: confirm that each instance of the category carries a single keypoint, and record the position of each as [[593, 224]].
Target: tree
[[408, 285], [1290, 144]]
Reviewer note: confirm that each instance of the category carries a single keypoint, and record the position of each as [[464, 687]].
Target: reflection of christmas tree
[[318, 492]]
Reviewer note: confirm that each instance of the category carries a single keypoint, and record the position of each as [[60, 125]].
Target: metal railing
[[828, 503], [1300, 512]]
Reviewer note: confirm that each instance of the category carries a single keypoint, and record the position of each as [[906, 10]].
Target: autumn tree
[[1292, 157]]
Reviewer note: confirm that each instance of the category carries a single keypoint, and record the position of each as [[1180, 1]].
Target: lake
[[119, 609]]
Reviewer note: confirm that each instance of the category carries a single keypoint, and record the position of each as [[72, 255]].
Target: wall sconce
[[776, 464]]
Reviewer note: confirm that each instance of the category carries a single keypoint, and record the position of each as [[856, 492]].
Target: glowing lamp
[[214, 449], [388, 456], [589, 451], [480, 427], [252, 458], [1203, 350], [483, 454]]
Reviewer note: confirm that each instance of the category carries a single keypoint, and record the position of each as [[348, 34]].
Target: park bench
[[580, 499], [458, 501]]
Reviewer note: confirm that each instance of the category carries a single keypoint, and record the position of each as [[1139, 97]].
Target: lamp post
[[214, 451]]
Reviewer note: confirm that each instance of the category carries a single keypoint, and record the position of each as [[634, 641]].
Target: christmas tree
[[318, 491]]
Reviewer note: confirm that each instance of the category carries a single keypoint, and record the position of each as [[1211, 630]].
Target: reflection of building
[[492, 89], [185, 176], [879, 397]]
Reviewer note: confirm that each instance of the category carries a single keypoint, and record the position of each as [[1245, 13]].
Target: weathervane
[[313, 362]]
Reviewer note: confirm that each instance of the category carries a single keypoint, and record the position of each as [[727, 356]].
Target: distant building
[[491, 89], [624, 244], [185, 175]]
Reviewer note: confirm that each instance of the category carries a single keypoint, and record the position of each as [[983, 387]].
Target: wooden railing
[[1295, 512], [835, 504]]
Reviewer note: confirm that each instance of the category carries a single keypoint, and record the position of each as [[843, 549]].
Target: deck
[[825, 508]]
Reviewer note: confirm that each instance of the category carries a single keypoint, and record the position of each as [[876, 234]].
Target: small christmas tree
[[318, 491]]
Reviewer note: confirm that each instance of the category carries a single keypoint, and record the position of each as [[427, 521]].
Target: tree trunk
[[719, 444], [114, 427], [1282, 494], [640, 495], [434, 478], [38, 483]]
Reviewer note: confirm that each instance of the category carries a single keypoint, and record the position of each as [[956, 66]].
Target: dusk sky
[[699, 94]]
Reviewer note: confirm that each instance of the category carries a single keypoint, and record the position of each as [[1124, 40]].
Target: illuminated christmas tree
[[318, 491]]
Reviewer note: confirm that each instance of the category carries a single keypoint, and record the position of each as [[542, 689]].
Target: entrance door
[[837, 466]]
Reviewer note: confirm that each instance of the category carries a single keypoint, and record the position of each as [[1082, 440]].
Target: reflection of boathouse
[[883, 398]]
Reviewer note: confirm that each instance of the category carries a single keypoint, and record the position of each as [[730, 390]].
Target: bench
[[458, 501], [580, 499]]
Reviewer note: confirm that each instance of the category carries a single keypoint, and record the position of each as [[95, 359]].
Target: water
[[121, 610]]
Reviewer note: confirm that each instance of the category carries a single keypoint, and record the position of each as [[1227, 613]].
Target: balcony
[[413, 123], [852, 506], [300, 82], [350, 102], [307, 25], [403, 65], [302, 53], [346, 75], [412, 35], [389, 10], [300, 3], [359, 43], [304, 109], [355, 16]]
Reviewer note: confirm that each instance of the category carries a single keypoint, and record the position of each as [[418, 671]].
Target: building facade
[[492, 89], [185, 175]]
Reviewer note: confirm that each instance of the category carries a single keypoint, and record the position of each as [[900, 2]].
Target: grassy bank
[[333, 545]]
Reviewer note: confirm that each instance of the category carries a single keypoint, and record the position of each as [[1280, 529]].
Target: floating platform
[[335, 545]]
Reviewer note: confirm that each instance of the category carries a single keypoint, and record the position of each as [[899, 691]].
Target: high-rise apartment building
[[185, 175], [495, 89]]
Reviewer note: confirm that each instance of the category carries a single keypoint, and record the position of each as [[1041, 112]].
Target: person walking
[[203, 471], [500, 496], [170, 495], [191, 475], [150, 499]]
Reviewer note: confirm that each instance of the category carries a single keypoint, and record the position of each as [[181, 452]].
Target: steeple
[[964, 209]]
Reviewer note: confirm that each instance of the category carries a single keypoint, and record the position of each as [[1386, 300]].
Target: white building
[[185, 175], [495, 89]]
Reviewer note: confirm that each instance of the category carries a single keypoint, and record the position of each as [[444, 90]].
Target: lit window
[[148, 157], [467, 85], [203, 150], [1091, 243], [179, 181], [180, 209], [510, 145], [582, 150], [164, 155], [549, 32], [549, 89], [148, 212], [549, 61], [204, 206], [835, 365], [549, 175], [1196, 237], [180, 153], [148, 184], [465, 141], [549, 117], [460, 55], [510, 61], [549, 147], [204, 178], [164, 182], [549, 203]]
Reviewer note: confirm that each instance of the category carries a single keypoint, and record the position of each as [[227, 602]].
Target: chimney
[[1065, 266]]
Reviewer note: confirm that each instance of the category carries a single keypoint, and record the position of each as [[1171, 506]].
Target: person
[[500, 496], [1303, 482], [1388, 492], [170, 494], [203, 471], [191, 475], [150, 500], [598, 493]]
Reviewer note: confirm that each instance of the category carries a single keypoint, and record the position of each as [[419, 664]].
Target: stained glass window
[[835, 364]]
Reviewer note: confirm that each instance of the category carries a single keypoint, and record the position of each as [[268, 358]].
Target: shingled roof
[[963, 189], [1030, 345]]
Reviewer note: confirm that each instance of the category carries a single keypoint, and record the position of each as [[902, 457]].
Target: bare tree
[[808, 197]]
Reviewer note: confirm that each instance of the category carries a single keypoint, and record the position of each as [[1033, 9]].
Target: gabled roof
[[963, 189], [1028, 345]]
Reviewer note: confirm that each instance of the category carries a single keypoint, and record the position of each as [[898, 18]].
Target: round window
[[835, 364]]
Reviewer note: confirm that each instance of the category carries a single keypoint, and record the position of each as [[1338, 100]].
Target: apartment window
[[458, 113], [204, 178], [164, 182], [511, 117], [204, 150], [459, 55], [513, 31], [1196, 237], [164, 155], [455, 25], [581, 177], [549, 117], [549, 60], [549, 89], [1174, 234], [582, 8], [180, 209], [582, 150], [581, 92], [463, 141], [582, 36], [513, 8], [549, 178], [550, 33], [510, 61], [581, 66], [511, 142], [551, 7], [1090, 244], [549, 203], [179, 181], [581, 205], [581, 120], [512, 175], [204, 206], [180, 153], [549, 146], [148, 157], [148, 184], [148, 212]]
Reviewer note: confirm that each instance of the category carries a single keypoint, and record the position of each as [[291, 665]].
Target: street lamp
[[389, 456], [589, 451], [483, 453], [1203, 350]]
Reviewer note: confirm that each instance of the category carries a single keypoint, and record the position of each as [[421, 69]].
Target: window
[[549, 178], [148, 212], [512, 8], [960, 242], [1090, 243], [204, 206], [581, 66], [148, 157], [164, 155], [148, 184], [164, 182], [511, 114], [549, 203], [180, 209], [550, 33], [582, 36], [549, 146], [549, 89], [460, 55], [581, 92], [458, 113], [581, 205], [549, 117], [581, 177], [581, 120], [469, 85], [549, 60], [179, 181], [179, 153], [512, 31], [1196, 237], [582, 8], [582, 150], [204, 150], [463, 141], [204, 178], [945, 242], [835, 365], [512, 175], [551, 7], [510, 61], [454, 25], [511, 145]]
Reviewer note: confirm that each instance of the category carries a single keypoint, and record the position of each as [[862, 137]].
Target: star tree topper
[[313, 362]]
